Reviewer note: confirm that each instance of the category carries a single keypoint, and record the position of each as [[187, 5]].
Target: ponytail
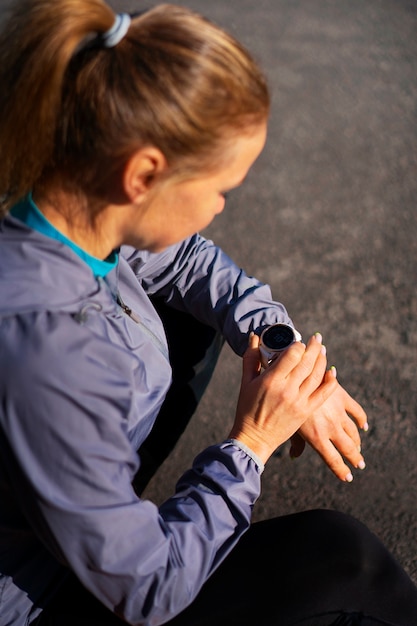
[[36, 45]]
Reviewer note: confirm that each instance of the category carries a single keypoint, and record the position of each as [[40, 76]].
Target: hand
[[274, 403], [333, 433]]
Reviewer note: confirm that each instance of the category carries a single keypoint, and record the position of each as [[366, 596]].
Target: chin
[[156, 248]]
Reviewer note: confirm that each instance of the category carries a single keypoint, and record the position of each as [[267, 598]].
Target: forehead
[[231, 161], [241, 152]]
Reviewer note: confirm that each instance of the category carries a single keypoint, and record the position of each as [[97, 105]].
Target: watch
[[274, 340]]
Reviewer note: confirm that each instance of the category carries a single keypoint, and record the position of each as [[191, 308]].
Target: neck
[[74, 218]]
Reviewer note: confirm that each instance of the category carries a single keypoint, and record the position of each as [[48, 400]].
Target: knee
[[356, 549]]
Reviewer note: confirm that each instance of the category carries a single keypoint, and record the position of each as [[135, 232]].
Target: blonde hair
[[73, 108]]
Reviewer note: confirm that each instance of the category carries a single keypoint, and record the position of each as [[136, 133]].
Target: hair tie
[[117, 32]]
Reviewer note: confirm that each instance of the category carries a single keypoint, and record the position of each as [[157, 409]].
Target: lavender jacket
[[81, 383]]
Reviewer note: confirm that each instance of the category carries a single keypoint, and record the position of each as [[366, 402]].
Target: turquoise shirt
[[27, 212]]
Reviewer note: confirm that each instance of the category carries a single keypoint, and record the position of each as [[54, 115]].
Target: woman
[[119, 138]]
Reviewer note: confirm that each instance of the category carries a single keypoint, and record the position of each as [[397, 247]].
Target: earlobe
[[141, 171]]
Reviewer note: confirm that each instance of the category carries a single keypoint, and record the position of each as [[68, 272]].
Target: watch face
[[278, 337]]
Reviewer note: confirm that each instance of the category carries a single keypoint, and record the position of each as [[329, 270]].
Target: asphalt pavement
[[327, 217]]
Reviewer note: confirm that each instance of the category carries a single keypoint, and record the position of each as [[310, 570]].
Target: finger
[[288, 361], [334, 460], [320, 394], [348, 449], [250, 361], [354, 409], [316, 377], [351, 430], [310, 371]]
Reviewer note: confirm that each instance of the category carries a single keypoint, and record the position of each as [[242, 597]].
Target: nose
[[220, 205]]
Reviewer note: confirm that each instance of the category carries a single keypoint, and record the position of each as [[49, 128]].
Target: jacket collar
[[38, 272], [28, 213]]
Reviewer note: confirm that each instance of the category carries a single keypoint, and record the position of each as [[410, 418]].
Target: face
[[183, 208]]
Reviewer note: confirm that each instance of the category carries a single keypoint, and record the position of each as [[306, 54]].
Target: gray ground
[[327, 217]]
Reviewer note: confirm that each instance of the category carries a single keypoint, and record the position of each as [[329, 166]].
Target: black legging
[[316, 568], [313, 568]]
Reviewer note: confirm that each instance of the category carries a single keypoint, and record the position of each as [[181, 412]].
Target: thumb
[[251, 363]]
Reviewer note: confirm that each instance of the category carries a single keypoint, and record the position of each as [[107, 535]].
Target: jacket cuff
[[249, 452]]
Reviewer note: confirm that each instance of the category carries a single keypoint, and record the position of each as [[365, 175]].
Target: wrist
[[247, 450], [261, 449]]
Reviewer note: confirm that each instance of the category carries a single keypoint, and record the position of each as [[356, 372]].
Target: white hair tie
[[118, 31]]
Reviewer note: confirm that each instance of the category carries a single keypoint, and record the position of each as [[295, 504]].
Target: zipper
[[155, 340]]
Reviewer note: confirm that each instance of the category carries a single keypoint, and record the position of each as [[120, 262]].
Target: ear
[[140, 172]]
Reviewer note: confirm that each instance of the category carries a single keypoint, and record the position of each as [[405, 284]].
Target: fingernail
[[366, 427], [323, 350], [318, 337], [361, 464], [251, 334], [333, 371], [349, 478]]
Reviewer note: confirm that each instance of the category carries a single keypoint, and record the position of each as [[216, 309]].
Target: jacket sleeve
[[198, 277], [69, 454]]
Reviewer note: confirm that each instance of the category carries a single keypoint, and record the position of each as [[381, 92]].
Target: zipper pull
[[127, 309]]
